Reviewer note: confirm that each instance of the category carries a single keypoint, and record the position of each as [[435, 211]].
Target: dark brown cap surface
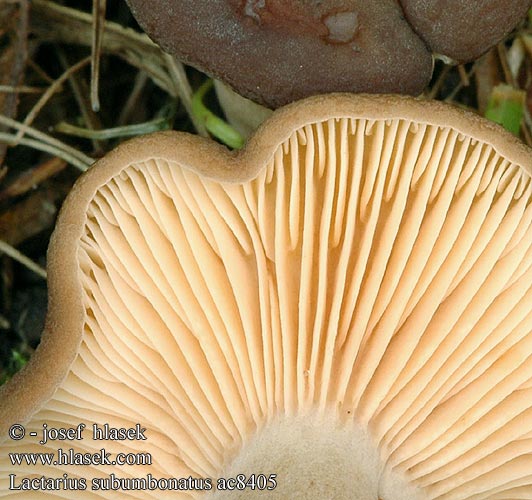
[[276, 52], [461, 29]]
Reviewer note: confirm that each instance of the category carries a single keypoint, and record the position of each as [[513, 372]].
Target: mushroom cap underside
[[363, 261]]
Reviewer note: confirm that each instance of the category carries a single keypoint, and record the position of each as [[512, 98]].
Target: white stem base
[[244, 115], [316, 459]]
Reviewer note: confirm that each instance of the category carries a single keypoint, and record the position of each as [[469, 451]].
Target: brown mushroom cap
[[346, 303], [275, 52], [278, 51], [462, 29]]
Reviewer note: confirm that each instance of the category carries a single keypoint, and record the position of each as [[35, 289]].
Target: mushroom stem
[[243, 114], [312, 457]]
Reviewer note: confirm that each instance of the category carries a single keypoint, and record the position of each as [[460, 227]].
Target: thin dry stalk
[[20, 257], [459, 86], [44, 142], [464, 77], [50, 91], [79, 90], [22, 89], [98, 15], [438, 84], [39, 71], [61, 24], [140, 82], [509, 78], [56, 23], [184, 91]]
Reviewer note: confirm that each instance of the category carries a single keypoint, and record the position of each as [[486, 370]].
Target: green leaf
[[506, 107], [214, 124]]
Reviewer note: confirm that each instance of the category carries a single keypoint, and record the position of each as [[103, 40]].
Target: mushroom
[[274, 52], [463, 30], [244, 115], [340, 310]]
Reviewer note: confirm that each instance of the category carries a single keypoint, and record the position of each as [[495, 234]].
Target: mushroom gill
[[345, 304]]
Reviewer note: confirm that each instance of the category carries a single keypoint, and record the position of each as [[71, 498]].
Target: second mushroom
[[340, 310]]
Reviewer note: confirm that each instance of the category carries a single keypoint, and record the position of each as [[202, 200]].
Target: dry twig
[[19, 257]]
